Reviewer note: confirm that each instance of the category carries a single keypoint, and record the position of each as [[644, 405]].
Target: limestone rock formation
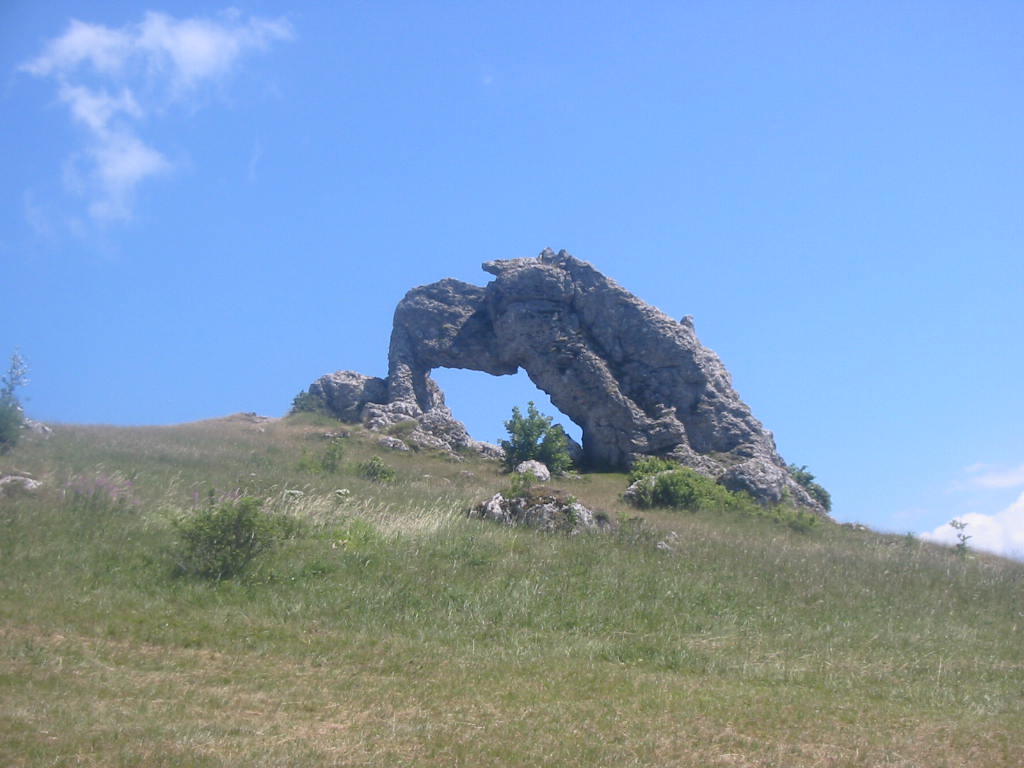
[[636, 381], [544, 509]]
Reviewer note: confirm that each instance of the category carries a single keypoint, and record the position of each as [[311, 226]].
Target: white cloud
[[105, 49], [121, 162], [199, 49], [1001, 533], [985, 476], [112, 80], [95, 109]]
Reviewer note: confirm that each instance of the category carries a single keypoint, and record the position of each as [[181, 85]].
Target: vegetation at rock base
[[307, 402], [657, 482], [806, 479], [385, 627], [533, 437]]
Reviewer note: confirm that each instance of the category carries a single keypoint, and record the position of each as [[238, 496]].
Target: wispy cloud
[[1001, 533], [113, 80], [987, 476]]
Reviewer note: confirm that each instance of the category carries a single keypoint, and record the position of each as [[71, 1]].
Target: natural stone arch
[[636, 381]]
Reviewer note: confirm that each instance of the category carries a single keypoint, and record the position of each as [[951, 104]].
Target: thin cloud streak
[[985, 477]]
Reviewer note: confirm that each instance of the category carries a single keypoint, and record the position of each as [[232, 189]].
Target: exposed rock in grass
[[545, 509], [36, 427], [15, 483], [535, 468]]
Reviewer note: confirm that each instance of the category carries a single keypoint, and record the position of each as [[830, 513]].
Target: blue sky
[[206, 207]]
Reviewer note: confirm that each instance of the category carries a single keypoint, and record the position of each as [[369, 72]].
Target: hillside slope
[[389, 629]]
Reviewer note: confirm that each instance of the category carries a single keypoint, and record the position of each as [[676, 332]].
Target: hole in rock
[[484, 402]]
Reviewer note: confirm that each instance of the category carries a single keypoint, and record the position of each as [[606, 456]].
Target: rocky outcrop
[[544, 509], [636, 381]]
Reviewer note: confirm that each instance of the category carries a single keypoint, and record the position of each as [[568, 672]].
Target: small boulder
[[15, 483], [393, 443], [535, 468]]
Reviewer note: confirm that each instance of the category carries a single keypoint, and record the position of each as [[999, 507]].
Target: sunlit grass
[[396, 631]]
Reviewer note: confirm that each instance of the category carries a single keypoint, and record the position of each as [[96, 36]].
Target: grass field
[[392, 630]]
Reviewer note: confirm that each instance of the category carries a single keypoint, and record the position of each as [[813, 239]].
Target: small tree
[[11, 416], [961, 537], [534, 437]]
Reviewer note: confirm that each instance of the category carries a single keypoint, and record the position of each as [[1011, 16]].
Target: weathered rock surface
[[541, 508], [535, 468], [636, 381], [14, 483]]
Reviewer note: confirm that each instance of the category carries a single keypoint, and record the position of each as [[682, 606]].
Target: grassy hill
[[388, 629]]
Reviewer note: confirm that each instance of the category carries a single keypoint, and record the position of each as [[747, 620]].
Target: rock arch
[[635, 380]]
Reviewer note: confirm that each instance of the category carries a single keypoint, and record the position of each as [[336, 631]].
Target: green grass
[[396, 631]]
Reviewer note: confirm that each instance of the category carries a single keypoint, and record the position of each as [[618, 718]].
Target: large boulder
[[635, 380]]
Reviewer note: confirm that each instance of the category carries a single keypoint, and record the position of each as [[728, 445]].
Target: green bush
[[11, 416], [806, 479], [220, 541], [375, 469], [306, 402], [650, 465], [328, 462], [534, 437], [794, 518], [10, 425], [684, 488]]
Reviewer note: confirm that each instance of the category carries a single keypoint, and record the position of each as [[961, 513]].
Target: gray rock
[[36, 427], [535, 468], [635, 380], [346, 393], [393, 443], [15, 483], [542, 509]]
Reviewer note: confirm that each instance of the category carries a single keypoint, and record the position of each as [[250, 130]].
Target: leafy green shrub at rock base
[[533, 437], [686, 488], [806, 479], [220, 541], [650, 465], [307, 402]]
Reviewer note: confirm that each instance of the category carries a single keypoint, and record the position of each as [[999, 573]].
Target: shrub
[[684, 488], [375, 469], [11, 416], [306, 402], [10, 425], [330, 461], [220, 541], [650, 465], [534, 437], [806, 479], [796, 519]]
